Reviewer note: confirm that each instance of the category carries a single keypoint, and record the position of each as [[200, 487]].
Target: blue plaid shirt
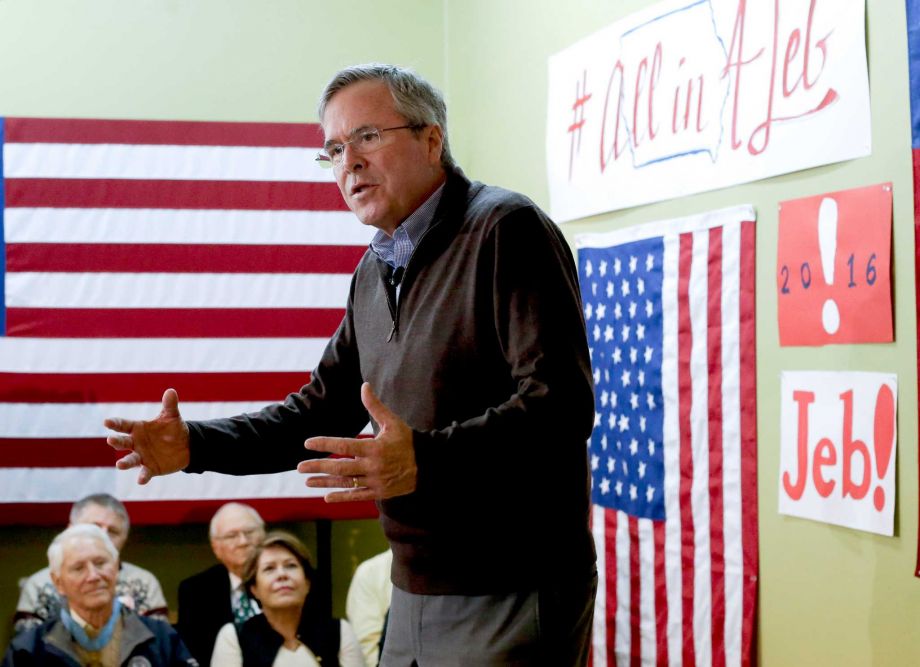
[[397, 249]]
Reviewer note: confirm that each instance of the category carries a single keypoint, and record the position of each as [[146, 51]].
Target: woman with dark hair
[[289, 632]]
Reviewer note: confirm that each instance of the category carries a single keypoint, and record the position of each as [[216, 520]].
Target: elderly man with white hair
[[136, 587], [93, 626]]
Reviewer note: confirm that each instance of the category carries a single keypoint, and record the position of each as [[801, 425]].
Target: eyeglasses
[[232, 536], [363, 141]]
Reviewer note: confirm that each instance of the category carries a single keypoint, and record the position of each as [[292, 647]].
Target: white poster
[[688, 96], [838, 440]]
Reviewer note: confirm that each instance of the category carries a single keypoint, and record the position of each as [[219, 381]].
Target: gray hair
[[77, 531], [414, 99], [103, 500], [224, 508]]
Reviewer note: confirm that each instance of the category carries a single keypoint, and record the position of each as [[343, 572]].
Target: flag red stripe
[[747, 346], [58, 453], [173, 322], [661, 596], [172, 512], [147, 387], [600, 580], [685, 397], [169, 194], [55, 453], [635, 592], [610, 569], [160, 132], [915, 153], [180, 258], [716, 502]]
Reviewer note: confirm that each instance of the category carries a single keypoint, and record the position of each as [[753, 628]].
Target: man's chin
[[97, 601]]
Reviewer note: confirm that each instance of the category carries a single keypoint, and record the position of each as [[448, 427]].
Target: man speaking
[[464, 343]]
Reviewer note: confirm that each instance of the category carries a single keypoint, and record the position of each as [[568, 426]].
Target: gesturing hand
[[380, 467], [158, 447]]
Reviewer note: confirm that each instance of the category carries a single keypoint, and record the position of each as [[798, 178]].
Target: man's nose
[[352, 159]]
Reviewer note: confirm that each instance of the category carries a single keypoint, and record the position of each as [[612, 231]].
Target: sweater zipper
[[394, 331]]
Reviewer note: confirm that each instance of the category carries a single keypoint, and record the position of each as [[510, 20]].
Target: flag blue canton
[[621, 292]]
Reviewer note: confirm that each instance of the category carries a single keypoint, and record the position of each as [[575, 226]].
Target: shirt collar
[[395, 250]]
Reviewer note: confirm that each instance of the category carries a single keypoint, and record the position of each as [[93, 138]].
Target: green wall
[[828, 595]]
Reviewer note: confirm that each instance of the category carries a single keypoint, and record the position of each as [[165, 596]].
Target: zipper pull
[[392, 332]]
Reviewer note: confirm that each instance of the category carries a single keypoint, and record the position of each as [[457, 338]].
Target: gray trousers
[[548, 627]]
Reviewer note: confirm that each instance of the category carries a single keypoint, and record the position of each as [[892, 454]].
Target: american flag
[[669, 309], [210, 257]]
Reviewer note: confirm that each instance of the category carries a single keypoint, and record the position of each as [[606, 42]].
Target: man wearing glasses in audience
[[211, 599], [463, 341]]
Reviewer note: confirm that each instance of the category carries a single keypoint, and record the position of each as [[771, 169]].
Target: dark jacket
[[50, 644], [259, 643], [486, 358], [204, 608]]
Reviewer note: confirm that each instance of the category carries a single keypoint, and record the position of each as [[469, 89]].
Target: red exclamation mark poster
[[832, 271]]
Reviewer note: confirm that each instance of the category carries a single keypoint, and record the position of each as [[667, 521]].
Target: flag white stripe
[[84, 420], [48, 485], [168, 162], [159, 355], [699, 439], [731, 441], [599, 632], [176, 290], [664, 228], [647, 628], [671, 426], [185, 226]]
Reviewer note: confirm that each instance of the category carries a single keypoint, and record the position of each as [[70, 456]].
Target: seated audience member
[[290, 631], [93, 627], [368, 602], [212, 598], [137, 588]]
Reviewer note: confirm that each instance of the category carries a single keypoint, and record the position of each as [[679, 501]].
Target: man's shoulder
[[215, 573], [37, 579], [132, 571], [38, 595], [156, 626], [490, 204], [380, 563], [32, 640]]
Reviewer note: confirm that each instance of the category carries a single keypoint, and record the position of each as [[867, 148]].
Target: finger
[[343, 467], [144, 475], [120, 442], [379, 412], [350, 496], [132, 460], [120, 425], [170, 404], [342, 446], [334, 482]]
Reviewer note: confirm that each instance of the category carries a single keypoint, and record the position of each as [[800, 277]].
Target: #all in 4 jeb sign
[[838, 439], [687, 96]]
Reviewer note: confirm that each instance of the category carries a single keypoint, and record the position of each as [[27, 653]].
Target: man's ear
[[56, 580], [435, 140]]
